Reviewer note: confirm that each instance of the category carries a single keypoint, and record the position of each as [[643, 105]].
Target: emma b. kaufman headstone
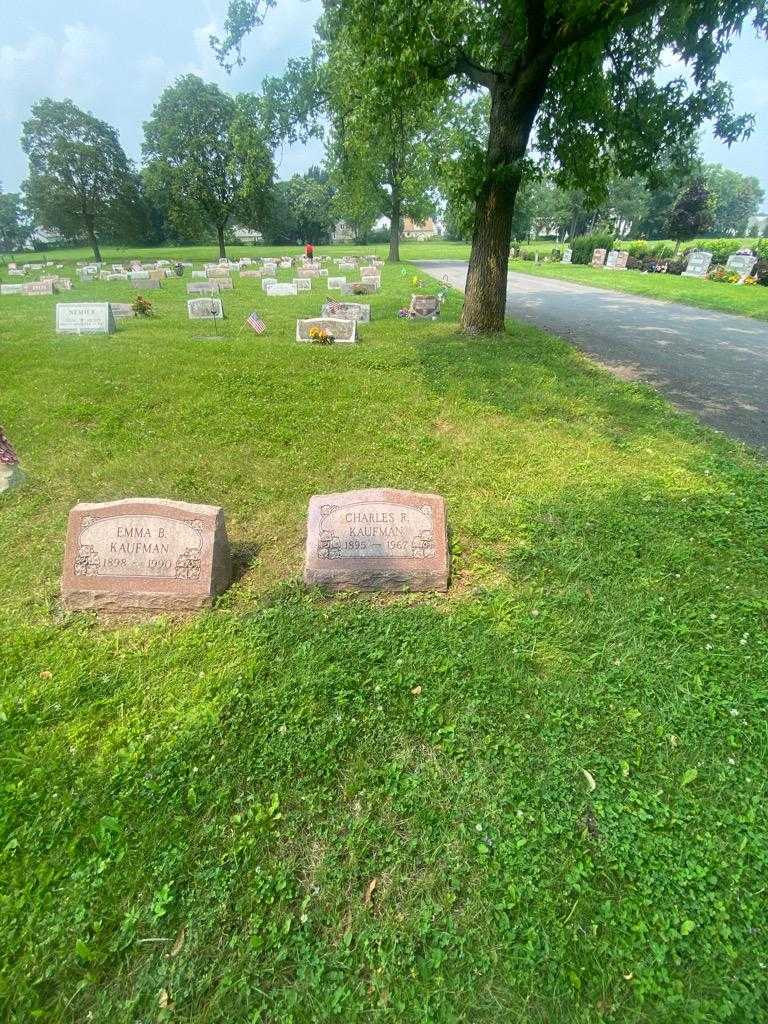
[[598, 258], [205, 309], [10, 471], [145, 553], [84, 318], [378, 539], [698, 264]]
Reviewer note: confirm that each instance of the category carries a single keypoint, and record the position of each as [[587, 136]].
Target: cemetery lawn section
[[746, 300], [539, 797]]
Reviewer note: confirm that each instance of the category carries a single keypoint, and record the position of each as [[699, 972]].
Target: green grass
[[750, 300], [198, 807]]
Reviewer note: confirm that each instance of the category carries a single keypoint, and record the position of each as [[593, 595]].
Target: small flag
[[332, 307], [256, 324]]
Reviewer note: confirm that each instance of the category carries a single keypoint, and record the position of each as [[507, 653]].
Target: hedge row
[[721, 248]]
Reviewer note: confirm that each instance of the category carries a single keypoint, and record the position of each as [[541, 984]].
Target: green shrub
[[584, 245]]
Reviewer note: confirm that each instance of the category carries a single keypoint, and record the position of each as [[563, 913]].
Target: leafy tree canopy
[[80, 180], [209, 157]]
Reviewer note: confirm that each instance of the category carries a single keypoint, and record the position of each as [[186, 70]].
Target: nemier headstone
[[205, 309], [598, 258], [10, 471], [698, 263], [145, 553], [377, 539], [84, 318], [342, 331]]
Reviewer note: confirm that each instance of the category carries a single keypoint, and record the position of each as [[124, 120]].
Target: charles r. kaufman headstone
[[145, 553], [377, 539]]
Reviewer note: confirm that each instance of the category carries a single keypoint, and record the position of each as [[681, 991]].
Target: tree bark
[[514, 103], [394, 226], [220, 233], [92, 239]]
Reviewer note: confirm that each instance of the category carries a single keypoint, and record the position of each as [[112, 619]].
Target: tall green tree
[[80, 180], [209, 157], [583, 71], [736, 198], [15, 228]]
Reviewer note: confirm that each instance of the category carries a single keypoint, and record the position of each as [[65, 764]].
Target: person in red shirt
[[309, 251]]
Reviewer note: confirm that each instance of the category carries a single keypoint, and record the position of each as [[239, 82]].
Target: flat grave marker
[[378, 539], [205, 309], [344, 332], [122, 310], [279, 289], [359, 311], [145, 553]]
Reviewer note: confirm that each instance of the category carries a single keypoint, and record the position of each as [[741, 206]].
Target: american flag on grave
[[332, 307], [256, 324]]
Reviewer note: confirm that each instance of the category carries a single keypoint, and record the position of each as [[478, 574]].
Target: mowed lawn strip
[[539, 797], [745, 300]]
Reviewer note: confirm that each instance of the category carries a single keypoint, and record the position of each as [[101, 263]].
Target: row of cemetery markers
[[336, 323], [699, 261], [154, 555]]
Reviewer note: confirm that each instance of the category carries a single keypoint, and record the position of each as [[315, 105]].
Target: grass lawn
[[751, 300], [555, 773]]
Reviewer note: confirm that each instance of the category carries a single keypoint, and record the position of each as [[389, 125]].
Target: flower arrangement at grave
[[8, 456], [320, 336], [360, 288], [723, 275], [141, 306]]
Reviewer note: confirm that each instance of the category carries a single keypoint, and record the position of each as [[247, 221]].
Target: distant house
[[247, 236], [343, 232], [420, 232], [757, 226]]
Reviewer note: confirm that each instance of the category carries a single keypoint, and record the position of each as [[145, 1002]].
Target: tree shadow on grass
[[535, 377]]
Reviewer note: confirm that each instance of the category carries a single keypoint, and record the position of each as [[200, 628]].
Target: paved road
[[714, 365]]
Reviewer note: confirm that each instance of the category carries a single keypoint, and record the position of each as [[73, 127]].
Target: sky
[[114, 58]]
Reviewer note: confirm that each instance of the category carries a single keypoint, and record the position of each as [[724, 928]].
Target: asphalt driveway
[[714, 365]]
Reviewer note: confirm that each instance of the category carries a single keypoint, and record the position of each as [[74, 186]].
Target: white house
[[247, 236]]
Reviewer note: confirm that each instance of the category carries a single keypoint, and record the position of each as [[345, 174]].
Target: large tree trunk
[[514, 104], [394, 227], [220, 233], [92, 239]]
